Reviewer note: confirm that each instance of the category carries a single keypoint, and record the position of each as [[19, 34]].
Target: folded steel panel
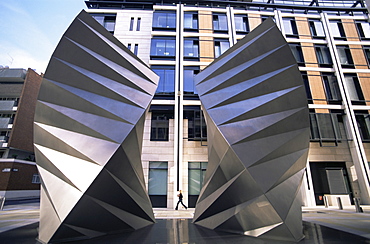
[[88, 133], [255, 106]]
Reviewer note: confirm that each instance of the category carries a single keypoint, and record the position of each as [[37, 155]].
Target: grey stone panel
[[89, 125], [258, 136]]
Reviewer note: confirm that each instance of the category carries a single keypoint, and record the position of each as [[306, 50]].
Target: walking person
[[180, 201]]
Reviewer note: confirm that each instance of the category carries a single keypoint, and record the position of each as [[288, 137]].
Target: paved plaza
[[19, 223]]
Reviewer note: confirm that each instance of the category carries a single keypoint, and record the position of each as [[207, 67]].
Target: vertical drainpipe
[[231, 26], [178, 101], [356, 147]]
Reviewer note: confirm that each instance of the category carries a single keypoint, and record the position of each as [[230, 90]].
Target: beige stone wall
[[193, 151], [159, 151]]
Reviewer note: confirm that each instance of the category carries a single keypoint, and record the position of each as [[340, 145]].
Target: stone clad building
[[331, 42]]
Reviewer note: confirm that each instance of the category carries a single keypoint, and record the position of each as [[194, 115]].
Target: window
[[297, 52], [4, 137], [138, 24], [157, 184], [307, 86], [106, 20], [221, 45], [337, 30], [131, 24], [323, 56], [316, 28], [363, 123], [331, 88], [136, 48], [189, 87], [363, 28], [190, 21], [241, 23], [129, 46], [196, 173], [345, 56], [163, 48], [329, 178], [326, 126], [197, 129], [219, 22], [36, 179], [160, 123], [166, 84], [164, 20], [354, 88], [290, 27], [367, 54], [191, 48]]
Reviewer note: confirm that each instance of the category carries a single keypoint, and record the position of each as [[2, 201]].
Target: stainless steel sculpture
[[88, 133], [258, 134]]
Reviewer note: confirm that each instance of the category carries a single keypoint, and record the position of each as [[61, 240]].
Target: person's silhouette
[[180, 201]]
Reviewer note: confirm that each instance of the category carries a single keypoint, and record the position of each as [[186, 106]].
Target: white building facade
[[331, 42]]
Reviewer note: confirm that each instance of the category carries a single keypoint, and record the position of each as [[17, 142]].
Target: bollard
[[339, 201], [2, 201], [357, 205]]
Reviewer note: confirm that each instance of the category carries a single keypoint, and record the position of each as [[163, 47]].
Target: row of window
[[158, 177], [317, 29], [160, 123], [324, 58], [166, 85], [166, 20], [332, 91], [324, 126], [165, 48]]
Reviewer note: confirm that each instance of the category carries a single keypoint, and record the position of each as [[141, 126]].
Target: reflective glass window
[[363, 28], [221, 45], [241, 23], [316, 28], [163, 47], [191, 20], [166, 84], [164, 20], [220, 22]]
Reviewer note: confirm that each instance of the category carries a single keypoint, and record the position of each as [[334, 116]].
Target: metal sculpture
[[256, 112], [88, 133]]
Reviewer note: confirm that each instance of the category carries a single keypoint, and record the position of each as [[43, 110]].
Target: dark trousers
[[180, 201]]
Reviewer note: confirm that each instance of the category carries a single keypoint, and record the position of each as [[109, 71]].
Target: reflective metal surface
[[88, 134], [258, 136]]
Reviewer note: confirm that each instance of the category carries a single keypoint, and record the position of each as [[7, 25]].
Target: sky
[[30, 30]]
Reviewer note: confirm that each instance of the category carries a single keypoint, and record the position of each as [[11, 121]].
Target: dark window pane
[[323, 56], [131, 24], [138, 24], [316, 28], [160, 125], [331, 87], [363, 123]]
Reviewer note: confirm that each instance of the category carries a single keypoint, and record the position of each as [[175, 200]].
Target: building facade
[[331, 42], [18, 93]]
